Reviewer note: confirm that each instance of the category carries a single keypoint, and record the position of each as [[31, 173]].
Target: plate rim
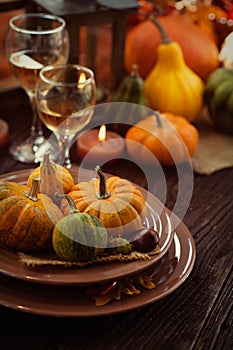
[[150, 296]]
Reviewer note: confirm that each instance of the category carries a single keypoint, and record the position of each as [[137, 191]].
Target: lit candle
[[81, 80], [99, 145]]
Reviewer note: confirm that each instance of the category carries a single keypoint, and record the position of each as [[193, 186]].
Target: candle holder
[[98, 146]]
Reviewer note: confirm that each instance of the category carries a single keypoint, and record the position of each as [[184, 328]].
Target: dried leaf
[[115, 290]]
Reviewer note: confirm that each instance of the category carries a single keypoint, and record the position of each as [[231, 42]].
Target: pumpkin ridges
[[6, 211], [100, 198], [130, 218], [82, 204], [93, 207], [125, 192], [126, 211], [109, 215], [21, 227], [135, 202], [8, 188]]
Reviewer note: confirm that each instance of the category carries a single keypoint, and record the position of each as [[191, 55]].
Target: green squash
[[218, 97], [131, 91], [79, 236]]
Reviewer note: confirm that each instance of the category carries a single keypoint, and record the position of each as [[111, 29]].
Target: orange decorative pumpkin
[[198, 45], [8, 188], [118, 203], [169, 138], [27, 218]]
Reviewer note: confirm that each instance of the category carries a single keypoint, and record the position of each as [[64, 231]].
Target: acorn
[[145, 240]]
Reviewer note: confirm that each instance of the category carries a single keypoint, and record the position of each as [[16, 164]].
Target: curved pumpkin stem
[[164, 36], [159, 121], [73, 208], [103, 193], [134, 72], [34, 190]]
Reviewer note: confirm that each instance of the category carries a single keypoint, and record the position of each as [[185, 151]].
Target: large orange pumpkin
[[199, 46]]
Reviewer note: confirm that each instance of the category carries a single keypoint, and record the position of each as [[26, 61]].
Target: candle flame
[[82, 79], [102, 133]]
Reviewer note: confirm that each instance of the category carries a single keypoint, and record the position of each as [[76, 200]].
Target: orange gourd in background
[[169, 138], [198, 45]]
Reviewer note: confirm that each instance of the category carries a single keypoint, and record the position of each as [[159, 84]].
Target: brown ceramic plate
[[157, 217], [70, 301]]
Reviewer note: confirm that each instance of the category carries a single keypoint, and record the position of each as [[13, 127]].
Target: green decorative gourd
[[79, 237], [218, 97], [131, 91]]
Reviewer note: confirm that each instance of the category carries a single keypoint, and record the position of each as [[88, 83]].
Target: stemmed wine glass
[[34, 40], [65, 97]]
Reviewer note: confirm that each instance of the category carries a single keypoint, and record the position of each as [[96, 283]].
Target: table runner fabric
[[215, 149]]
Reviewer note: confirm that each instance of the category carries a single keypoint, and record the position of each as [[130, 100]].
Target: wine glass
[[34, 40], [65, 97]]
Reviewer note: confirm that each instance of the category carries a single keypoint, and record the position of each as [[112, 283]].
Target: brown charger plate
[[157, 217], [70, 301]]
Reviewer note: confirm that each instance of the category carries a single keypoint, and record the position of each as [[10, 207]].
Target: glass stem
[[36, 126], [64, 143]]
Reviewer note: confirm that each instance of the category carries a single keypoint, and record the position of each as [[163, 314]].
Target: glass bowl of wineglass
[[65, 98], [33, 41]]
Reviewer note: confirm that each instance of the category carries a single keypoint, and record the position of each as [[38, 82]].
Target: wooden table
[[197, 315]]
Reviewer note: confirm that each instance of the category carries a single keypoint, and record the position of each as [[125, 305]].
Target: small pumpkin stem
[[48, 165], [34, 190], [164, 36], [103, 193], [134, 72], [46, 159], [73, 208], [158, 119]]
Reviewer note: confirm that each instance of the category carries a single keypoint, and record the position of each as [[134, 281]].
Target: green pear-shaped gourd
[[132, 92]]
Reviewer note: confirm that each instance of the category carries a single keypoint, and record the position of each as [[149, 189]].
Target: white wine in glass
[[65, 97], [33, 41]]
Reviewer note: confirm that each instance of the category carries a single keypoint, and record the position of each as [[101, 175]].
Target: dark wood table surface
[[197, 315]]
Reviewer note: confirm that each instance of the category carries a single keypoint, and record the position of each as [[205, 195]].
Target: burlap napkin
[[215, 149], [42, 259]]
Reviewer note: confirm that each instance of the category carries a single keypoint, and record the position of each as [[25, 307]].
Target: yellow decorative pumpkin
[[171, 86], [118, 203], [54, 178]]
